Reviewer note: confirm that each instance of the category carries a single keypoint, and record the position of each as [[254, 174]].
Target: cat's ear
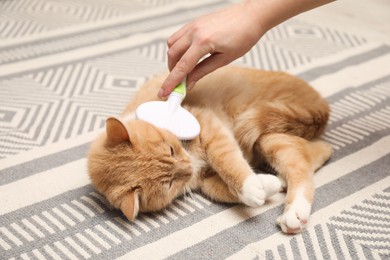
[[130, 205], [116, 132]]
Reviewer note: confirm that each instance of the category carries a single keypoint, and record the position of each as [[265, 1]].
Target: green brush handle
[[180, 89], [176, 97]]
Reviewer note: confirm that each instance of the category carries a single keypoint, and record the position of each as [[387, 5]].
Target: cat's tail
[[308, 122]]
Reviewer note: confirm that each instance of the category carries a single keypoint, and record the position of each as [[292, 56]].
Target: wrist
[[254, 8], [270, 13]]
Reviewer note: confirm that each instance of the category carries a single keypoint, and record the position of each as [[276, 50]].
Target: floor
[[369, 16]]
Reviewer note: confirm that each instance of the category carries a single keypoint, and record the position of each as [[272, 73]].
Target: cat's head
[[138, 167]]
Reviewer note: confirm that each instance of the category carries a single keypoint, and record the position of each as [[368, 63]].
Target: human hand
[[226, 35]]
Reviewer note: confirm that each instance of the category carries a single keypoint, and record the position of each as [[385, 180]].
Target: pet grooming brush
[[170, 115]]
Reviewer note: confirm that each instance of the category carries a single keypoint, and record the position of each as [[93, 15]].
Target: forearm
[[273, 12], [227, 35]]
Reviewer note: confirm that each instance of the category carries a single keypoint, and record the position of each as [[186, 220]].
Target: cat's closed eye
[[168, 184], [171, 182], [172, 151]]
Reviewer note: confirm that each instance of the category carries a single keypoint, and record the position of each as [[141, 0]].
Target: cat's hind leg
[[295, 159]]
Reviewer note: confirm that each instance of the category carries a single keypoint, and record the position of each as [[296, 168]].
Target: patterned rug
[[67, 65]]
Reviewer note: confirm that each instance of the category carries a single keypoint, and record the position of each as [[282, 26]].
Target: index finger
[[182, 68]]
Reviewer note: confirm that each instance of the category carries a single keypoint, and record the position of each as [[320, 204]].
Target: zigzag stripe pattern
[[360, 232], [290, 43], [21, 18], [364, 229], [87, 38], [269, 57], [159, 2], [303, 30], [38, 229], [61, 102], [156, 51], [12, 27], [352, 128], [357, 129], [296, 43], [58, 45], [54, 108]]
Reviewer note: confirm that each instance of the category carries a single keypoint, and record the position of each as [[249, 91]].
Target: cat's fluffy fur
[[248, 118]]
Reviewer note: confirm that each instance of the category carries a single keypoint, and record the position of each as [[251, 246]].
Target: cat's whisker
[[187, 190], [188, 193], [191, 194]]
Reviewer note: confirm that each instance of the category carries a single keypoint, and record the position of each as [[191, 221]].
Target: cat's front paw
[[295, 217], [271, 184], [257, 188]]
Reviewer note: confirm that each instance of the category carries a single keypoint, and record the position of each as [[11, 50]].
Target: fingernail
[[160, 93], [191, 85]]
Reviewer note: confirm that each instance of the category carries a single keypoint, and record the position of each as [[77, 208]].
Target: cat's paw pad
[[257, 188], [295, 217]]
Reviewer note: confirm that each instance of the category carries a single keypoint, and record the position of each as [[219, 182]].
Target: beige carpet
[[67, 65]]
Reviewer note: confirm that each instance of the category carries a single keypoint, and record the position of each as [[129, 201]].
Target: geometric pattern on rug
[[73, 227], [364, 229], [21, 18], [296, 43], [360, 232], [62, 100], [371, 104]]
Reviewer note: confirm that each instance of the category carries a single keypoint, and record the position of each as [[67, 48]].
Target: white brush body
[[171, 116]]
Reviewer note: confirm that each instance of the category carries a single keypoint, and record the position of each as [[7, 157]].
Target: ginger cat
[[248, 118]]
